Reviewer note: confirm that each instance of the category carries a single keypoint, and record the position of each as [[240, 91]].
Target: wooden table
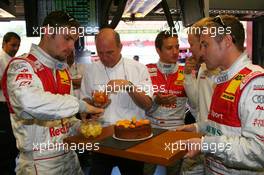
[[156, 150]]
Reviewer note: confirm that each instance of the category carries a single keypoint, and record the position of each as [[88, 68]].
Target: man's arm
[[139, 96], [141, 99], [29, 100], [190, 84]]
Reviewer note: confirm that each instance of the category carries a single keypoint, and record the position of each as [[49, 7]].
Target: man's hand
[[89, 117], [93, 113], [165, 99], [188, 128], [93, 110], [190, 65]]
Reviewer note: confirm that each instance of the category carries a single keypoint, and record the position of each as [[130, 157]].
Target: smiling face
[[169, 51]]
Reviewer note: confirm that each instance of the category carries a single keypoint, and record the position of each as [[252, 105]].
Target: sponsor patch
[[249, 76], [24, 70], [24, 83], [17, 66], [153, 74], [58, 131], [179, 83], [258, 99], [64, 77], [180, 75], [216, 115], [213, 131], [23, 76], [152, 70], [234, 84], [261, 108], [228, 97], [258, 122], [221, 78], [259, 87]]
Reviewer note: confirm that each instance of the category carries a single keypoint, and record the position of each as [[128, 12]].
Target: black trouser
[[8, 150], [103, 164]]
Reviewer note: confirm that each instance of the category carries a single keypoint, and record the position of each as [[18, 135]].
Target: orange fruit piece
[[100, 97], [145, 121], [138, 123], [132, 126]]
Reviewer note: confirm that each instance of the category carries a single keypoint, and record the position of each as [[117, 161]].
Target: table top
[[160, 149]]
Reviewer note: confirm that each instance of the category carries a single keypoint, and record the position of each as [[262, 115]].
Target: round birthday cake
[[132, 129]]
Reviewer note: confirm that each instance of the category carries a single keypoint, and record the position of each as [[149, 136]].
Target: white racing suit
[[172, 115], [234, 141], [42, 119]]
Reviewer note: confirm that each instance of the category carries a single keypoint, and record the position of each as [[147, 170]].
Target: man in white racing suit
[[233, 141], [37, 87], [167, 75]]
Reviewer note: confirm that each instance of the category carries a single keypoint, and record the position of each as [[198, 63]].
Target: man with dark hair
[[169, 102], [168, 109], [11, 43], [37, 87], [233, 141], [10, 46]]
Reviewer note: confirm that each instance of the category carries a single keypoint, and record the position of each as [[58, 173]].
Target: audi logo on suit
[[258, 99]]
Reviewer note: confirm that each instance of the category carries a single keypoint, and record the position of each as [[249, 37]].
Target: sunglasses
[[220, 21]]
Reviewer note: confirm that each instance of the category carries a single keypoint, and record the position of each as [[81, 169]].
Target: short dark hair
[[164, 35], [9, 35], [59, 19]]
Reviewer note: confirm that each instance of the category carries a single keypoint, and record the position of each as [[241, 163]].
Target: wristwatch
[[130, 86]]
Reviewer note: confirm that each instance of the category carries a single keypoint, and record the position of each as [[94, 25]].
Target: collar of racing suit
[[209, 73], [241, 62], [166, 68], [46, 59]]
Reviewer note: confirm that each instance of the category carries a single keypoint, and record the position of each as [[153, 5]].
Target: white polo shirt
[[122, 106], [4, 59], [200, 90]]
